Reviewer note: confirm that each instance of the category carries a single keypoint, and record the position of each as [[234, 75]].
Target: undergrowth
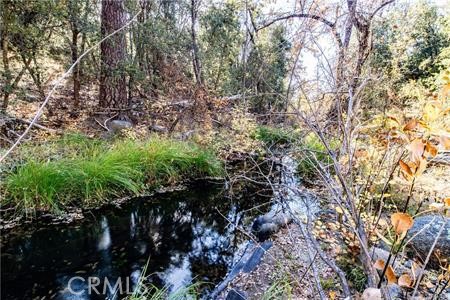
[[313, 152], [78, 170], [273, 135]]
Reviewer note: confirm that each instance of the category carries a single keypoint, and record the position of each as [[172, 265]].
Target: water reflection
[[182, 235]]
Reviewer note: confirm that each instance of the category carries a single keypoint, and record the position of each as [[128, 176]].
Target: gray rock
[[429, 226], [394, 292], [119, 125], [266, 225], [401, 266], [256, 257], [236, 295], [158, 128]]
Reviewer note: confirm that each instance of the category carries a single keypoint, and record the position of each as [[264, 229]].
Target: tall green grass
[[80, 171]]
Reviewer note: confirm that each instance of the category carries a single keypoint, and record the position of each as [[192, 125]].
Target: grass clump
[[313, 152], [273, 135], [79, 170]]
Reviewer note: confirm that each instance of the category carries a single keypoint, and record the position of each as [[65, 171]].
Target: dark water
[[181, 235]]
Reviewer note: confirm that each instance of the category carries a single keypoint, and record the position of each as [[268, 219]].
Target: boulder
[[425, 230], [266, 225], [119, 125]]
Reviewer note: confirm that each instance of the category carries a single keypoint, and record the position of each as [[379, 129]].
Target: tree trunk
[[113, 85], [195, 51], [7, 72], [76, 71]]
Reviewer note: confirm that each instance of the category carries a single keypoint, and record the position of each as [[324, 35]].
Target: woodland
[[320, 127]]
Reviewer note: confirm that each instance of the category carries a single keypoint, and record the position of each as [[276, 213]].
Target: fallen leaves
[[405, 280]]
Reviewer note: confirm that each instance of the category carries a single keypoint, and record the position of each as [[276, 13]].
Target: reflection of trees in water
[[182, 233]]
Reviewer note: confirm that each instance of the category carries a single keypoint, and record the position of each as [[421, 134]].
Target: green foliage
[[412, 44], [220, 39], [355, 273], [265, 72], [312, 152], [87, 171], [273, 135], [280, 289]]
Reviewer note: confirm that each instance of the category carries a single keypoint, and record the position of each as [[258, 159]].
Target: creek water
[[182, 237]]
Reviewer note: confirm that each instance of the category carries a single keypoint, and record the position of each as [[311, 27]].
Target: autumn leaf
[[379, 264], [405, 168], [390, 275], [431, 111], [431, 149], [393, 119], [447, 203], [410, 125], [422, 166], [332, 295], [405, 280], [445, 90], [402, 222]]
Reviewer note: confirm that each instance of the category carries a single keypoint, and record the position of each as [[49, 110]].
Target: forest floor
[[284, 270]]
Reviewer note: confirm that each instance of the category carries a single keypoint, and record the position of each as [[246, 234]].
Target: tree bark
[[74, 49], [195, 50], [113, 85]]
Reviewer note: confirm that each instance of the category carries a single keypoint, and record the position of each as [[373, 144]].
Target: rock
[[429, 226], [158, 128], [236, 295], [394, 292], [266, 225], [118, 125], [371, 294], [401, 266], [256, 257]]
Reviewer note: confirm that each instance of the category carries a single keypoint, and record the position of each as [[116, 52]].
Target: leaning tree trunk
[[113, 85]]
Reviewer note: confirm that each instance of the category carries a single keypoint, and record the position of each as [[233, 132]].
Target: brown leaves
[[405, 168], [430, 149], [413, 169], [379, 264], [405, 280], [390, 274], [447, 203], [411, 125], [402, 222]]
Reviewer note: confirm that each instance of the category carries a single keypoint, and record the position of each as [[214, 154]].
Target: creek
[[180, 237]]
